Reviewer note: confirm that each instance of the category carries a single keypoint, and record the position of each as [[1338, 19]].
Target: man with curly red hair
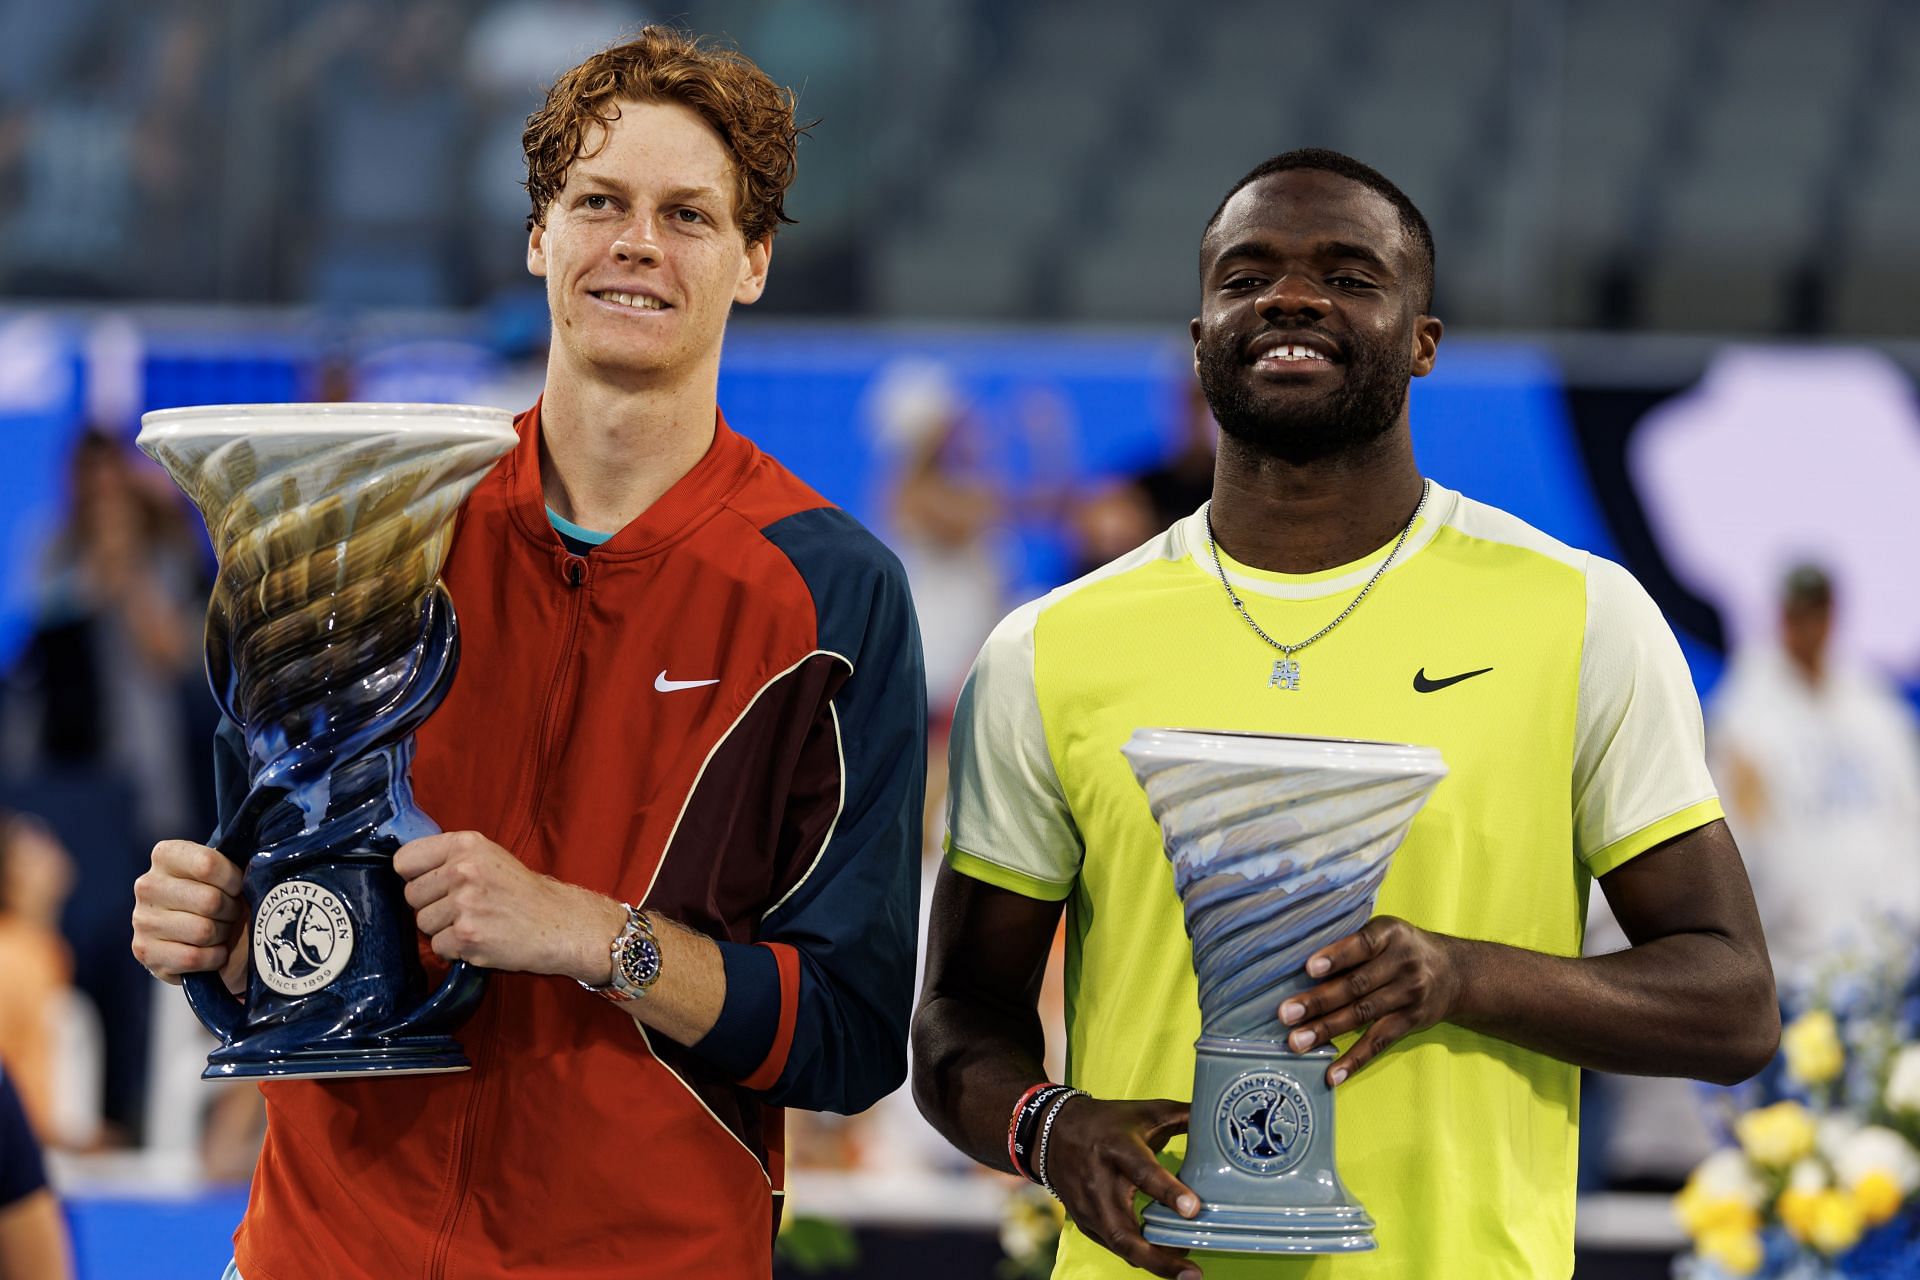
[[681, 768]]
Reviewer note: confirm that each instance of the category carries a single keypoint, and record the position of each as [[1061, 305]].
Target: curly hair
[[752, 114]]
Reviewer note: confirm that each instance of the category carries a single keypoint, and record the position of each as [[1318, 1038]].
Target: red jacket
[[777, 810]]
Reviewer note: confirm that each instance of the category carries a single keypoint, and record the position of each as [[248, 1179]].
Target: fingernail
[[1319, 965], [1292, 1011], [1189, 1206], [1336, 1075], [1300, 1041]]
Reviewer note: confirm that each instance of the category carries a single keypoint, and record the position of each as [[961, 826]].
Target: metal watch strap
[[635, 956]]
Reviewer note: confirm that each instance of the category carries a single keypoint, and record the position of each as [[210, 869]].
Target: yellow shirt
[[1575, 747]]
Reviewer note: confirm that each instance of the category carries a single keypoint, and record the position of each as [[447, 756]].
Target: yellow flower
[[1736, 1251], [1795, 1210], [1836, 1222], [1812, 1045], [1878, 1194], [1776, 1136], [1702, 1212], [1879, 1167]]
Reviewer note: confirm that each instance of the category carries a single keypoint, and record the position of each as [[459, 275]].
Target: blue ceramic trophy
[[1278, 846], [329, 641]]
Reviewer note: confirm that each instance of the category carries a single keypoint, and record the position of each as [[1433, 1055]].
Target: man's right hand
[[187, 915], [1099, 1154]]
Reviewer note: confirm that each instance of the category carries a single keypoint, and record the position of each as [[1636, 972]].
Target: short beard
[[1366, 406]]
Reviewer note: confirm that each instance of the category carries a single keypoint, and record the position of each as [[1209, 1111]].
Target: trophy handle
[[219, 1010], [449, 1005]]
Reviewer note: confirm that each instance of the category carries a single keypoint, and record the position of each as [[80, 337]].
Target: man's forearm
[[1691, 1004], [685, 1003], [971, 1064]]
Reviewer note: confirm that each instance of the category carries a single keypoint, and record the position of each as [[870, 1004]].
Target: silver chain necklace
[[1286, 672]]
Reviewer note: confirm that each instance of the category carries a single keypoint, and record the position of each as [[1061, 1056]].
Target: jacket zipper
[[573, 572]]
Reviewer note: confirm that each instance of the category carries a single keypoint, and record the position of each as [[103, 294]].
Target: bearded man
[[1329, 589]]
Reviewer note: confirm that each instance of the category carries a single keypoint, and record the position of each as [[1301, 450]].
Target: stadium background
[[1677, 255]]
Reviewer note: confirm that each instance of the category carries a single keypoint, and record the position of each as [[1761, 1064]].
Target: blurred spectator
[[38, 41], [378, 89], [942, 514], [33, 1235], [74, 150], [1114, 520], [118, 131], [117, 632], [173, 170], [1819, 767], [36, 875], [826, 50], [99, 728]]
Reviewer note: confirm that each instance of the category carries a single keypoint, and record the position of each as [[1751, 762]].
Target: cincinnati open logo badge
[[302, 937], [1264, 1123]]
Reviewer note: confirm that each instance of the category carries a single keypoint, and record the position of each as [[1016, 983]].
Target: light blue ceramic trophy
[[1279, 846], [329, 641]]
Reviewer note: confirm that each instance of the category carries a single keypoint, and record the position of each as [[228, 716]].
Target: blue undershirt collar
[[572, 533]]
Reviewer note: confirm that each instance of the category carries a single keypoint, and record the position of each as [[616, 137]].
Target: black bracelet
[[1026, 1128]]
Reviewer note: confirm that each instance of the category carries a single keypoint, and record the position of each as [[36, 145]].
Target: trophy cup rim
[[342, 419], [1281, 750]]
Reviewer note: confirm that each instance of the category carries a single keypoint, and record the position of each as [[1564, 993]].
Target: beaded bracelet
[[1046, 1138], [1024, 1120]]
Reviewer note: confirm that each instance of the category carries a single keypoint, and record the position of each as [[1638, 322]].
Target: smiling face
[[642, 253], [1309, 325]]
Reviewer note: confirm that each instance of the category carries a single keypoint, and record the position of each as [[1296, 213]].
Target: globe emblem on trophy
[[1264, 1123], [1279, 846], [302, 937], [329, 641]]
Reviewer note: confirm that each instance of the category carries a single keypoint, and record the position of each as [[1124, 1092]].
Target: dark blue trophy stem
[[320, 825]]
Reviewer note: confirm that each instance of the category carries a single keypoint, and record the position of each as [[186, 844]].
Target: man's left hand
[[1391, 975], [479, 903]]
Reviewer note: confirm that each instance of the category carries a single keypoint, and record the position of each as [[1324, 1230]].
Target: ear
[[1193, 331], [1426, 342], [753, 271], [537, 250]]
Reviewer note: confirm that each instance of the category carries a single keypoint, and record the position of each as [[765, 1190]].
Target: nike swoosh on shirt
[[664, 685], [1423, 685]]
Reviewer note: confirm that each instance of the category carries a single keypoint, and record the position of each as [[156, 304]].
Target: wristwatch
[[636, 960]]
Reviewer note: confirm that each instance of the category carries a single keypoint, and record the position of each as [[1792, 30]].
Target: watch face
[[641, 961]]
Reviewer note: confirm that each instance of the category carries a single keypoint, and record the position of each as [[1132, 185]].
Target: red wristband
[[1013, 1123]]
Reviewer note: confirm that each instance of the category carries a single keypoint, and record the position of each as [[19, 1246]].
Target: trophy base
[[1242, 1229], [1260, 1156], [430, 1055]]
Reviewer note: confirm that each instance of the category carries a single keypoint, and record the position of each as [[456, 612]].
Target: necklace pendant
[[1286, 675]]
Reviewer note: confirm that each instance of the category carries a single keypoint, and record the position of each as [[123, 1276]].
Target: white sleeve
[[1639, 763], [1007, 817]]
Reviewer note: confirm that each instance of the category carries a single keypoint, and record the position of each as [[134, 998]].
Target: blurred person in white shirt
[[1818, 760]]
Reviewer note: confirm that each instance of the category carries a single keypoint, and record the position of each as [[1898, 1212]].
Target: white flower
[[1727, 1174], [1832, 1131], [1808, 1177], [1903, 1085], [1877, 1150]]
